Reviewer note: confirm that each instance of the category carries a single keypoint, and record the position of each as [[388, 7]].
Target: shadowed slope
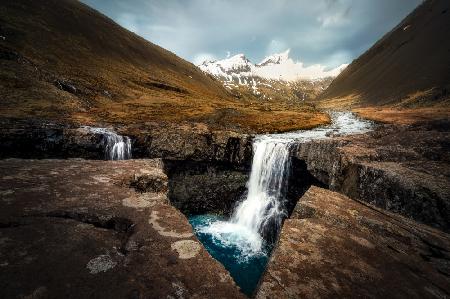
[[408, 67]]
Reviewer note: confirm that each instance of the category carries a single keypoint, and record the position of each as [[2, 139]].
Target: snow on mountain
[[238, 64], [274, 67], [275, 77], [275, 59]]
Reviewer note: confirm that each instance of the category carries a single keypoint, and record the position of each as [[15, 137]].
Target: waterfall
[[116, 147], [258, 218], [264, 208]]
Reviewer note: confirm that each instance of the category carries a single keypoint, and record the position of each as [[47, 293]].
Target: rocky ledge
[[99, 229], [190, 141], [403, 169], [335, 247]]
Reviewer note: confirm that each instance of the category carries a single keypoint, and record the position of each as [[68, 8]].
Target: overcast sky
[[326, 32]]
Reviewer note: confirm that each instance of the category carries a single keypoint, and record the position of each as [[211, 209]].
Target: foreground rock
[[403, 169], [334, 247], [95, 229]]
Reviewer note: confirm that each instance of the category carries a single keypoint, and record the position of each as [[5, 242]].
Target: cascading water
[[243, 242], [117, 147], [264, 208]]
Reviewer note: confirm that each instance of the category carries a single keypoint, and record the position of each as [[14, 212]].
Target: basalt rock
[[335, 247], [205, 187], [171, 142], [192, 142], [403, 169], [49, 140], [75, 229]]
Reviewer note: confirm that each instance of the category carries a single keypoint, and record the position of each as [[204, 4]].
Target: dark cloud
[[327, 32]]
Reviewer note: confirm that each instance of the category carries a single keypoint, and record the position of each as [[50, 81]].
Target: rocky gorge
[[206, 172], [127, 171]]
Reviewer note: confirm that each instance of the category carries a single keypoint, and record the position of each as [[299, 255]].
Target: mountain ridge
[[277, 66], [276, 77]]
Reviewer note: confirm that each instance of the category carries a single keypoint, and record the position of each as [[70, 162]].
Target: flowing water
[[243, 242], [117, 147]]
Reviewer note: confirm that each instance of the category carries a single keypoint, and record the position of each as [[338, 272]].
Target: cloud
[[201, 57], [339, 18], [128, 21], [325, 32], [276, 46]]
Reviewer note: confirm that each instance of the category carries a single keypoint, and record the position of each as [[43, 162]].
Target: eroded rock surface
[[403, 169], [335, 247], [78, 229]]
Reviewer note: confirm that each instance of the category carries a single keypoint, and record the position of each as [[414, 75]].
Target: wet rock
[[172, 142], [205, 187], [88, 235], [335, 247], [403, 169]]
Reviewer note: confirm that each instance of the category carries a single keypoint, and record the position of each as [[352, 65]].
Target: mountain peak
[[237, 59], [277, 58], [274, 67]]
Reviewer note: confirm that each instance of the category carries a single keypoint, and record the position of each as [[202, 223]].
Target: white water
[[117, 147], [264, 207]]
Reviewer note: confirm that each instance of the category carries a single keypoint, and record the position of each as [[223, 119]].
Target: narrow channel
[[243, 242]]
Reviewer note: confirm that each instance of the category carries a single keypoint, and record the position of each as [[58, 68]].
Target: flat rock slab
[[335, 247], [86, 229]]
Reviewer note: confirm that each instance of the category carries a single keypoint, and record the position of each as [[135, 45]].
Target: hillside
[[63, 61], [409, 67]]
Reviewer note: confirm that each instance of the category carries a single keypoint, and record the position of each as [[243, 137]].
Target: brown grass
[[407, 68], [119, 77], [403, 116]]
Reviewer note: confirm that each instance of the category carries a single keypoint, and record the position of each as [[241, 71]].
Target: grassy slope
[[408, 67], [118, 76]]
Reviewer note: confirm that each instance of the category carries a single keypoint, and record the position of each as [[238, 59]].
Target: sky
[[317, 32]]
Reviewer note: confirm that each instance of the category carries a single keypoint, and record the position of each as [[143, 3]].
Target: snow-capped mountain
[[274, 73], [274, 59], [277, 66]]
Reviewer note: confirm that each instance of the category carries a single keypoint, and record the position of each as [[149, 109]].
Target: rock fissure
[[123, 226]]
